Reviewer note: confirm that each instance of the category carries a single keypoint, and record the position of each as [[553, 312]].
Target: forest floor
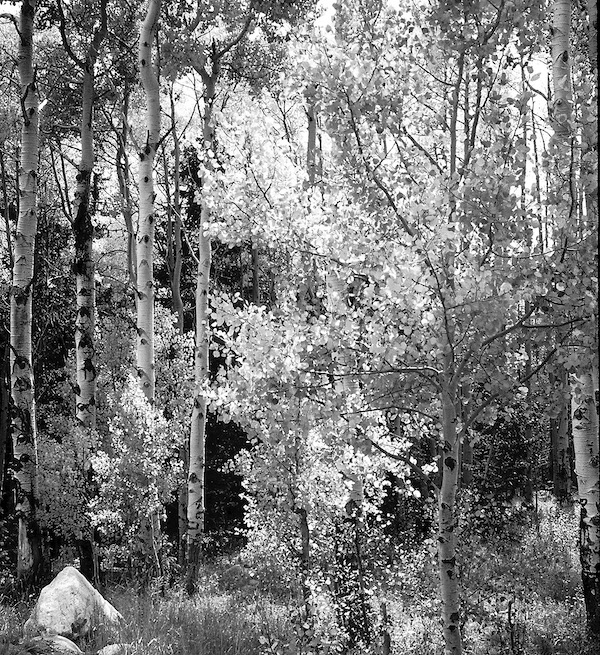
[[521, 596]]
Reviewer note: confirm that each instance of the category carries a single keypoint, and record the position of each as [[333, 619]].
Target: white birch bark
[[448, 524], [197, 447], [593, 35], [145, 236], [583, 407], [562, 106], [584, 413], [84, 267], [21, 365], [85, 350], [196, 508], [146, 222]]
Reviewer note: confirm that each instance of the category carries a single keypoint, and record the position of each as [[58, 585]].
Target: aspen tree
[[196, 508], [84, 265], [145, 232], [83, 229], [21, 365], [146, 222], [584, 412]]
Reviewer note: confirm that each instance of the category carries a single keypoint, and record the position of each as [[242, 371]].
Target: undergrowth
[[519, 598]]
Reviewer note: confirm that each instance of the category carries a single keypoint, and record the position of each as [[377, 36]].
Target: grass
[[521, 598]]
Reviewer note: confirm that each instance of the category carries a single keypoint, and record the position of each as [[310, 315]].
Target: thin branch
[[62, 28], [373, 174], [400, 458], [236, 40], [520, 381], [502, 333], [422, 150]]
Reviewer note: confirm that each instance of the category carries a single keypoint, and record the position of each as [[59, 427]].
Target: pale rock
[[113, 649], [71, 607], [52, 645]]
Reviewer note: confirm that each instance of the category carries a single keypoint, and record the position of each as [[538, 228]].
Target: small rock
[[71, 607], [113, 649]]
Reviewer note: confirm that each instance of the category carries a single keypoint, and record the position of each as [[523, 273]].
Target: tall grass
[[519, 598]]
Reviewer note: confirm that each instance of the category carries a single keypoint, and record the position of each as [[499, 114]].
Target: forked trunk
[[21, 367]]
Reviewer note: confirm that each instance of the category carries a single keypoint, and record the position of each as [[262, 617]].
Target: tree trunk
[[4, 418], [22, 383], [84, 267], [7, 210], [561, 458], [584, 414], [255, 274], [85, 351], [196, 501], [311, 148], [196, 504], [174, 238], [562, 107], [122, 165], [593, 35], [448, 523], [145, 236]]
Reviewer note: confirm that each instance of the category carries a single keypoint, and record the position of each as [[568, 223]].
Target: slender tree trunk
[[448, 523], [593, 35], [174, 259], [561, 458], [145, 234], [584, 413], [123, 176], [197, 448], [7, 212], [196, 493], [85, 351], [146, 223], [4, 417], [84, 267], [174, 240], [311, 148], [255, 274], [21, 366]]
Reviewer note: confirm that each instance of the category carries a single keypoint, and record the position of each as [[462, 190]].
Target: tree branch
[[400, 458], [236, 40], [62, 28]]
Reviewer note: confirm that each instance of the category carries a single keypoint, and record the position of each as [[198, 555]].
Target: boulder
[[51, 645], [71, 607]]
